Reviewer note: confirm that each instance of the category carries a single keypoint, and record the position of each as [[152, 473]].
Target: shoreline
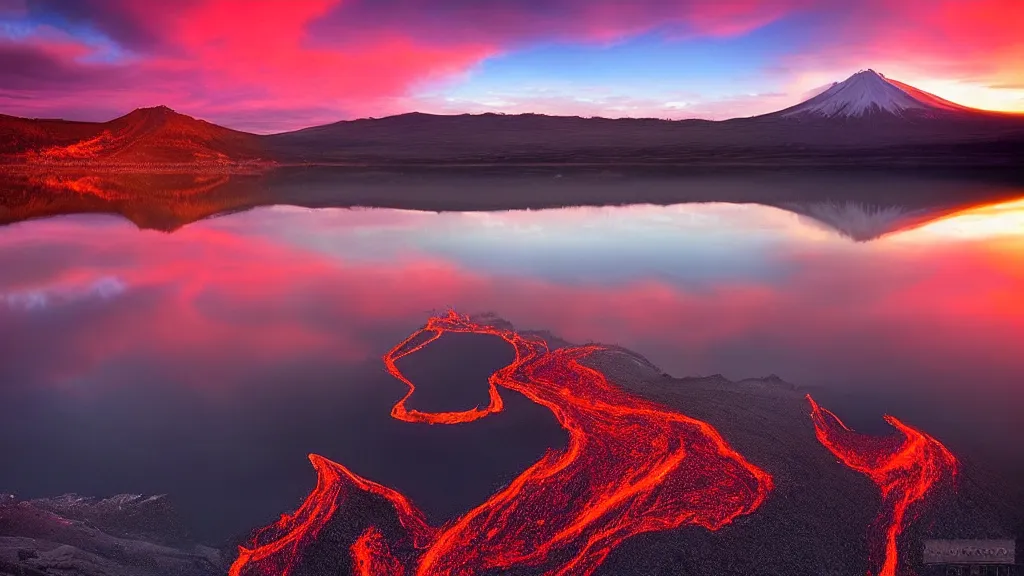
[[983, 155], [767, 163], [169, 200]]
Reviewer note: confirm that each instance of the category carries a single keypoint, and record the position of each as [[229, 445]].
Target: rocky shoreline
[[125, 535]]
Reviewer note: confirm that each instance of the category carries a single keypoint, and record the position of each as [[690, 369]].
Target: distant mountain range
[[865, 120]]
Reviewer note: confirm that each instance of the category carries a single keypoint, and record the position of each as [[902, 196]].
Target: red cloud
[[237, 59], [282, 64]]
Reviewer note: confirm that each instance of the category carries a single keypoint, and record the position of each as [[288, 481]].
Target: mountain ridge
[[926, 97], [819, 131], [154, 135]]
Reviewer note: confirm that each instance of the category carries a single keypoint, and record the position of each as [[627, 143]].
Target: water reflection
[[256, 328]]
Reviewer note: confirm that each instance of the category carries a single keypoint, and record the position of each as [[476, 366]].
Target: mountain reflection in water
[[262, 321]]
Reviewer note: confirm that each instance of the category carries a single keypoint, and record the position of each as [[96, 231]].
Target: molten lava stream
[[631, 466], [904, 471]]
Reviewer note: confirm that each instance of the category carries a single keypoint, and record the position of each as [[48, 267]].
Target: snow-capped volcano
[[868, 93]]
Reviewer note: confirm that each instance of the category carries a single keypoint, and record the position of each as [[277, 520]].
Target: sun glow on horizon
[[974, 94], [1005, 219]]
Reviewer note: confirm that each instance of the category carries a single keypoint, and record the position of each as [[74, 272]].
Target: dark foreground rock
[[818, 517], [126, 535]]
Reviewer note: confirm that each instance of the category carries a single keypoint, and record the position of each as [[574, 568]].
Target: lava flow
[[904, 470], [631, 466]]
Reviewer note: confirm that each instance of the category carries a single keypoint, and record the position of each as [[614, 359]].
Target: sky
[[276, 65]]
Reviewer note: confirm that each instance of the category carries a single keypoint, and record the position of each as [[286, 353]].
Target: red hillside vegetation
[[145, 136]]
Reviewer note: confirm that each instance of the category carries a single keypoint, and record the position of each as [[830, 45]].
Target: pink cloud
[[513, 22], [13, 8], [315, 59], [280, 64]]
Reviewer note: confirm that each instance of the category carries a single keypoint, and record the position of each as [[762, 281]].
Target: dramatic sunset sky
[[273, 65]]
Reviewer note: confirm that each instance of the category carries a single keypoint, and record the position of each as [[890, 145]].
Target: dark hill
[[865, 120], [571, 140]]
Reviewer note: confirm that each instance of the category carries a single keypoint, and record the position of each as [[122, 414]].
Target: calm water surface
[[207, 363]]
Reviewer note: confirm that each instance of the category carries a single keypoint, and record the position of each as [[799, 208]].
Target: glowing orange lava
[[904, 470], [631, 466], [372, 557]]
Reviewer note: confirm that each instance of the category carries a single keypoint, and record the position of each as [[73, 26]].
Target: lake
[[207, 362]]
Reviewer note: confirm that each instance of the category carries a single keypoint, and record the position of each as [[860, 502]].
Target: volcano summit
[[869, 93]]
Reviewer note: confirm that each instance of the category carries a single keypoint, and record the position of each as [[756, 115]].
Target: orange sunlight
[[997, 220]]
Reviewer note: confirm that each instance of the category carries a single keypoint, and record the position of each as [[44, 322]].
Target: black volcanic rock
[[124, 535], [132, 516], [816, 520]]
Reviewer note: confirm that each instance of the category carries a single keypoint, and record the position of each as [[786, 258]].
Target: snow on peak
[[858, 221], [868, 92]]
